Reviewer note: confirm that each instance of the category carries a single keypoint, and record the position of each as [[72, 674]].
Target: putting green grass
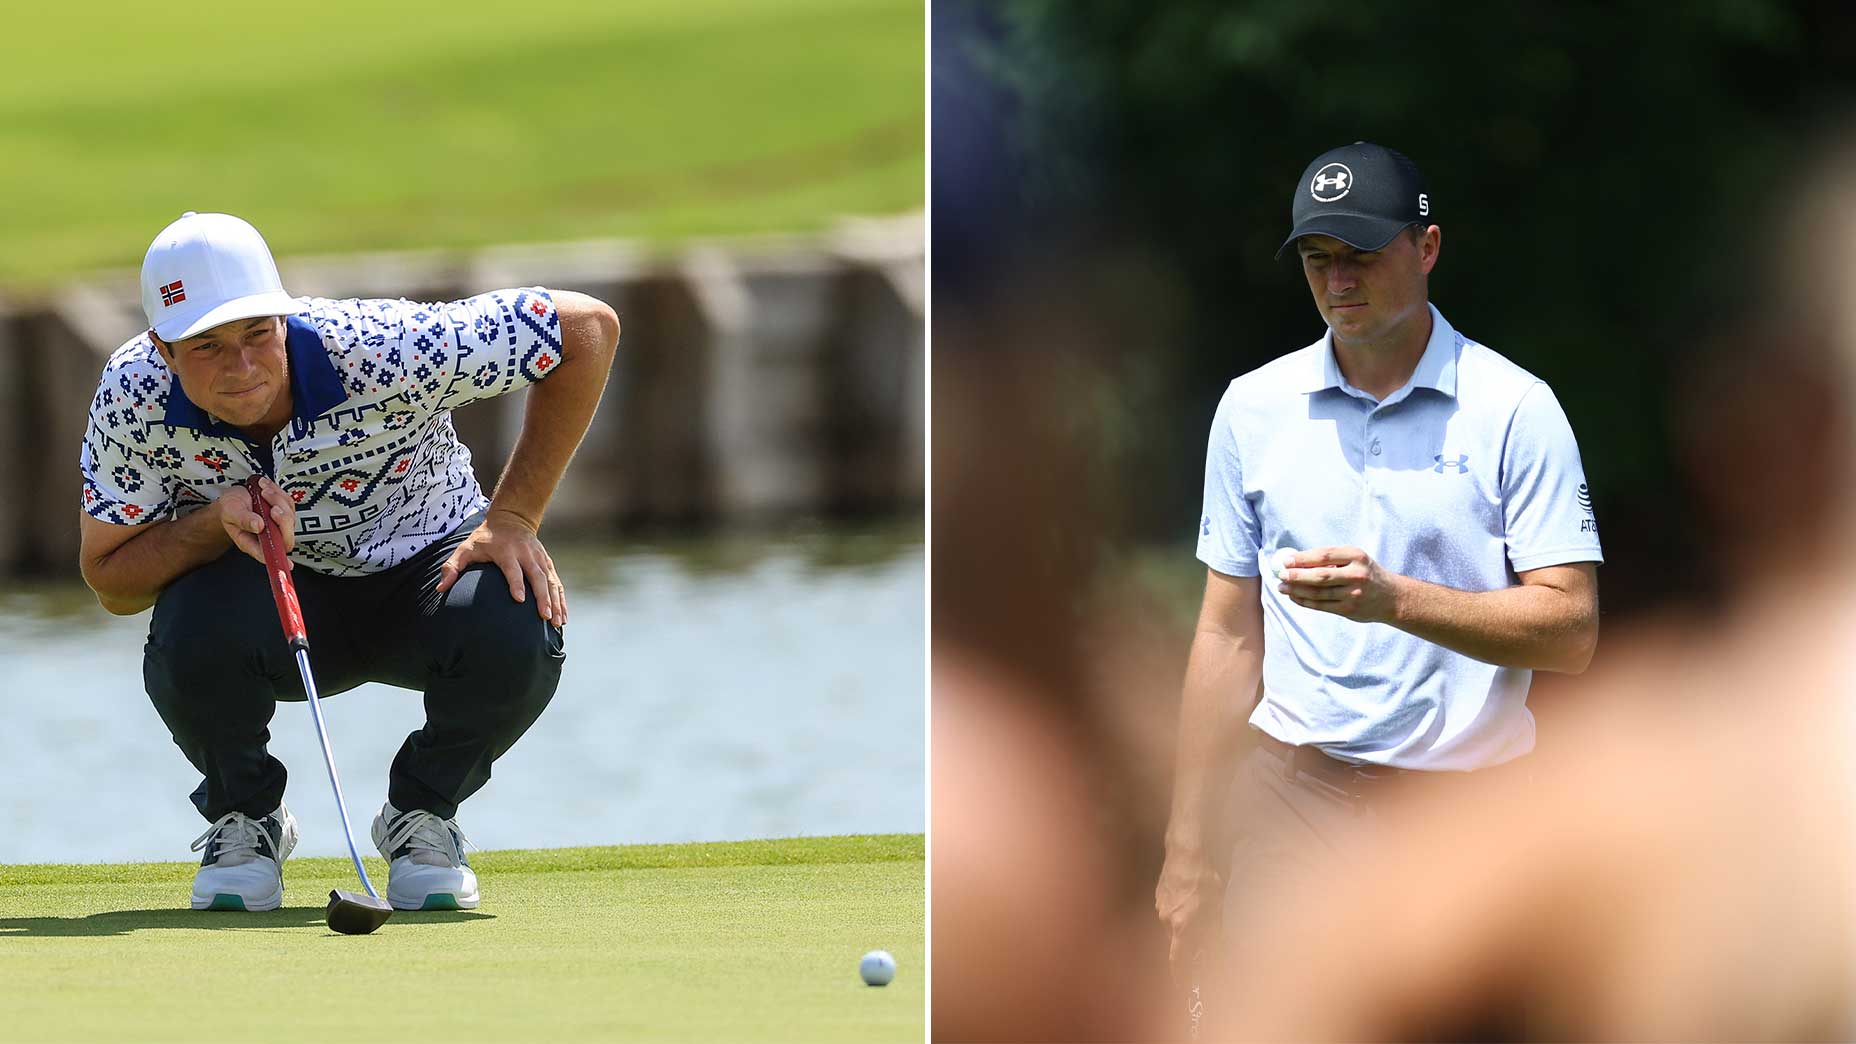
[[349, 124], [755, 940]]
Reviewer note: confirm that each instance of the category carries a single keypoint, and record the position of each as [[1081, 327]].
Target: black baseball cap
[[1361, 194]]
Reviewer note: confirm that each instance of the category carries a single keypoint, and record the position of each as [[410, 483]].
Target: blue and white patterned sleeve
[[123, 484], [487, 345], [1546, 507], [1228, 531]]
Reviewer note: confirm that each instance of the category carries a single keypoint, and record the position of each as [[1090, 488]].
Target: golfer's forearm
[[1528, 626], [559, 411], [1221, 683], [128, 579]]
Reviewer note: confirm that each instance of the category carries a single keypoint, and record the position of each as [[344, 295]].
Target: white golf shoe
[[243, 865], [426, 868]]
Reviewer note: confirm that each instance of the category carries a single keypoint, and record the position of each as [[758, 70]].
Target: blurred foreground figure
[[1038, 930], [1688, 873], [1687, 887]]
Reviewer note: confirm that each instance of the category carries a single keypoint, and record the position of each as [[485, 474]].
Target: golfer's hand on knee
[[510, 541], [242, 522]]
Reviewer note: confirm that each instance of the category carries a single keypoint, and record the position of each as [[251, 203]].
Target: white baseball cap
[[207, 269]]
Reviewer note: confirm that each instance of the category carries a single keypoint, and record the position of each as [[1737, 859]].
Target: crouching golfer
[[407, 573]]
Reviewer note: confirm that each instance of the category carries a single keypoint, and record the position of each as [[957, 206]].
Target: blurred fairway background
[[366, 126]]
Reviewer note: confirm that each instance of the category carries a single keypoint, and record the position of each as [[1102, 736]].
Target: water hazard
[[725, 689]]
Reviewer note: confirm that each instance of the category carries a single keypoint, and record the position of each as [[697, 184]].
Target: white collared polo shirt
[[1466, 476], [369, 456]]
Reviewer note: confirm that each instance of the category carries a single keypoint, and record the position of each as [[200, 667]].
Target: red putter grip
[[283, 589]]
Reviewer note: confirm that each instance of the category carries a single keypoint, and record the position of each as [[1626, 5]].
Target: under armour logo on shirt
[[1461, 463]]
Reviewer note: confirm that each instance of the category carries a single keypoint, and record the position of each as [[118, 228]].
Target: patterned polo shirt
[[369, 455]]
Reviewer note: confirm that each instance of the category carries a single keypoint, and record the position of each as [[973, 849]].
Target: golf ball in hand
[[878, 968], [1280, 561]]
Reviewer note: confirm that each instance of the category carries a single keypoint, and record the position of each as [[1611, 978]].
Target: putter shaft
[[290, 616], [328, 758]]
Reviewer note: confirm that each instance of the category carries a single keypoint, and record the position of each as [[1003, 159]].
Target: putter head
[[356, 913]]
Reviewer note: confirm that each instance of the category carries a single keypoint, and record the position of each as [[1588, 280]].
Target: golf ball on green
[[877, 968]]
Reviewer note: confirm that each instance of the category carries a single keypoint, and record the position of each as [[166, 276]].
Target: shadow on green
[[123, 922]]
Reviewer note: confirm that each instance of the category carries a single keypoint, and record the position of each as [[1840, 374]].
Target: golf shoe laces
[[241, 839], [420, 830]]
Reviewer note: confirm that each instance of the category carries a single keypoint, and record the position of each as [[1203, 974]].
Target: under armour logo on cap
[[173, 294], [1361, 194], [1331, 183]]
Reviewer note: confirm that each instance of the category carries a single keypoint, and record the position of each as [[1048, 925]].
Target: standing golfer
[[1424, 501], [407, 573]]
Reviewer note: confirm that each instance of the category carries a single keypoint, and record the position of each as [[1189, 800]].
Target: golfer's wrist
[[530, 521], [1398, 605], [215, 538]]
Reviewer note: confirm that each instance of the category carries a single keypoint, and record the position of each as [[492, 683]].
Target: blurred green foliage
[[355, 125], [1601, 172]]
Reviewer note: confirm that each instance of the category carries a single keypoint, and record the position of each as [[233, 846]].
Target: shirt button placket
[[1369, 494]]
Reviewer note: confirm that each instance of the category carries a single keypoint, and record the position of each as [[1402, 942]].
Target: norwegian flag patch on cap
[[173, 294]]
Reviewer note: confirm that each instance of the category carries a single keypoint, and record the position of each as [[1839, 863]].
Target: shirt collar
[[1436, 367], [315, 387]]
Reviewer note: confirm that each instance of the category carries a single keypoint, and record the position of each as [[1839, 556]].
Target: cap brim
[[271, 302], [1358, 231]]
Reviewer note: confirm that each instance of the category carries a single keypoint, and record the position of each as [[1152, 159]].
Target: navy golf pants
[[216, 664]]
